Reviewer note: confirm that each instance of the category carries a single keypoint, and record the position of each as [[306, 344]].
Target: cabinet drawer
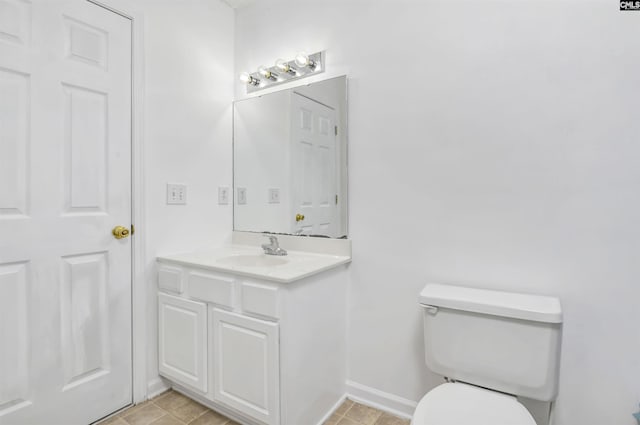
[[211, 288], [260, 299], [170, 279]]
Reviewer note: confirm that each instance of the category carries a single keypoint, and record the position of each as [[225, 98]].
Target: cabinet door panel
[[246, 365], [183, 341]]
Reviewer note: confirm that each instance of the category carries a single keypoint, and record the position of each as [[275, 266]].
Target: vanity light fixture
[[249, 79], [284, 71]]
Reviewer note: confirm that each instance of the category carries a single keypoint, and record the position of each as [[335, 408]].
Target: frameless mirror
[[290, 161]]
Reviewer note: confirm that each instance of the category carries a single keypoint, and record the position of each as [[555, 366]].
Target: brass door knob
[[299, 217], [120, 232]]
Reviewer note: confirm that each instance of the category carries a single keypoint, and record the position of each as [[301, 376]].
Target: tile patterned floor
[[169, 408], [351, 413], [172, 408]]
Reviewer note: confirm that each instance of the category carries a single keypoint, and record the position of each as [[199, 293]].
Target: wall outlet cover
[[223, 195], [274, 196], [176, 194], [242, 195]]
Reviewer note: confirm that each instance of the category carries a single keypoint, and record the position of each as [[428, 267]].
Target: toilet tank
[[498, 340]]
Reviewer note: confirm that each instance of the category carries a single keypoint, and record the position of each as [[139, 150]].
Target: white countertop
[[297, 264]]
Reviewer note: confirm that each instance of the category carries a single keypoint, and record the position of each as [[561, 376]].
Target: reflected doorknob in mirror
[[299, 217], [120, 232]]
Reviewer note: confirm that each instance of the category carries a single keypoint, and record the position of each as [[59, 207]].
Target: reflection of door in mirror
[[315, 191], [290, 161]]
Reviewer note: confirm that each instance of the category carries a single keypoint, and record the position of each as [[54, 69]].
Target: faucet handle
[[272, 239], [273, 248]]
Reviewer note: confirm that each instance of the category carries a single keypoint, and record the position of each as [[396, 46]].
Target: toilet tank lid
[[536, 308]]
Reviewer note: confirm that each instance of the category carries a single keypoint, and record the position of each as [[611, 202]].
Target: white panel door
[[313, 167], [246, 371], [65, 182], [182, 341]]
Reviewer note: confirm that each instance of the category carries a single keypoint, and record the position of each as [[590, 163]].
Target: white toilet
[[491, 346]]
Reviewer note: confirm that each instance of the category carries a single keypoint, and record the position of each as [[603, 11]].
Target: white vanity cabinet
[[254, 349]]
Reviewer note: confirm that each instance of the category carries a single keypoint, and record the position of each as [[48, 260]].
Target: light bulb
[[283, 66], [302, 59], [266, 73], [246, 78]]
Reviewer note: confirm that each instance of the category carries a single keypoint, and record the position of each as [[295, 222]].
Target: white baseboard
[[381, 400], [156, 387]]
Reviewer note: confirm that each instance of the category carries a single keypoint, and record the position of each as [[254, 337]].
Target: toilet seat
[[461, 404]]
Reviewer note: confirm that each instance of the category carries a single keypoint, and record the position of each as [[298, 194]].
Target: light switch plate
[[242, 195], [176, 194], [223, 195], [274, 196]]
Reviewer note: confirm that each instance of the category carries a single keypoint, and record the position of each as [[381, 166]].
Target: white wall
[[493, 144], [187, 130]]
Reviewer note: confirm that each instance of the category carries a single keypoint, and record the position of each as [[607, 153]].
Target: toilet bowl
[[462, 404]]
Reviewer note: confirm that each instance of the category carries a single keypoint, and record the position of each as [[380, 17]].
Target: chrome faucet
[[273, 247]]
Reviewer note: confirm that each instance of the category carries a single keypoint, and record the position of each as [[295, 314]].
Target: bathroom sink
[[253, 260]]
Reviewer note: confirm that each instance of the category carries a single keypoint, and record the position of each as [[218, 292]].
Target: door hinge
[[336, 199], [133, 230], [336, 129]]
